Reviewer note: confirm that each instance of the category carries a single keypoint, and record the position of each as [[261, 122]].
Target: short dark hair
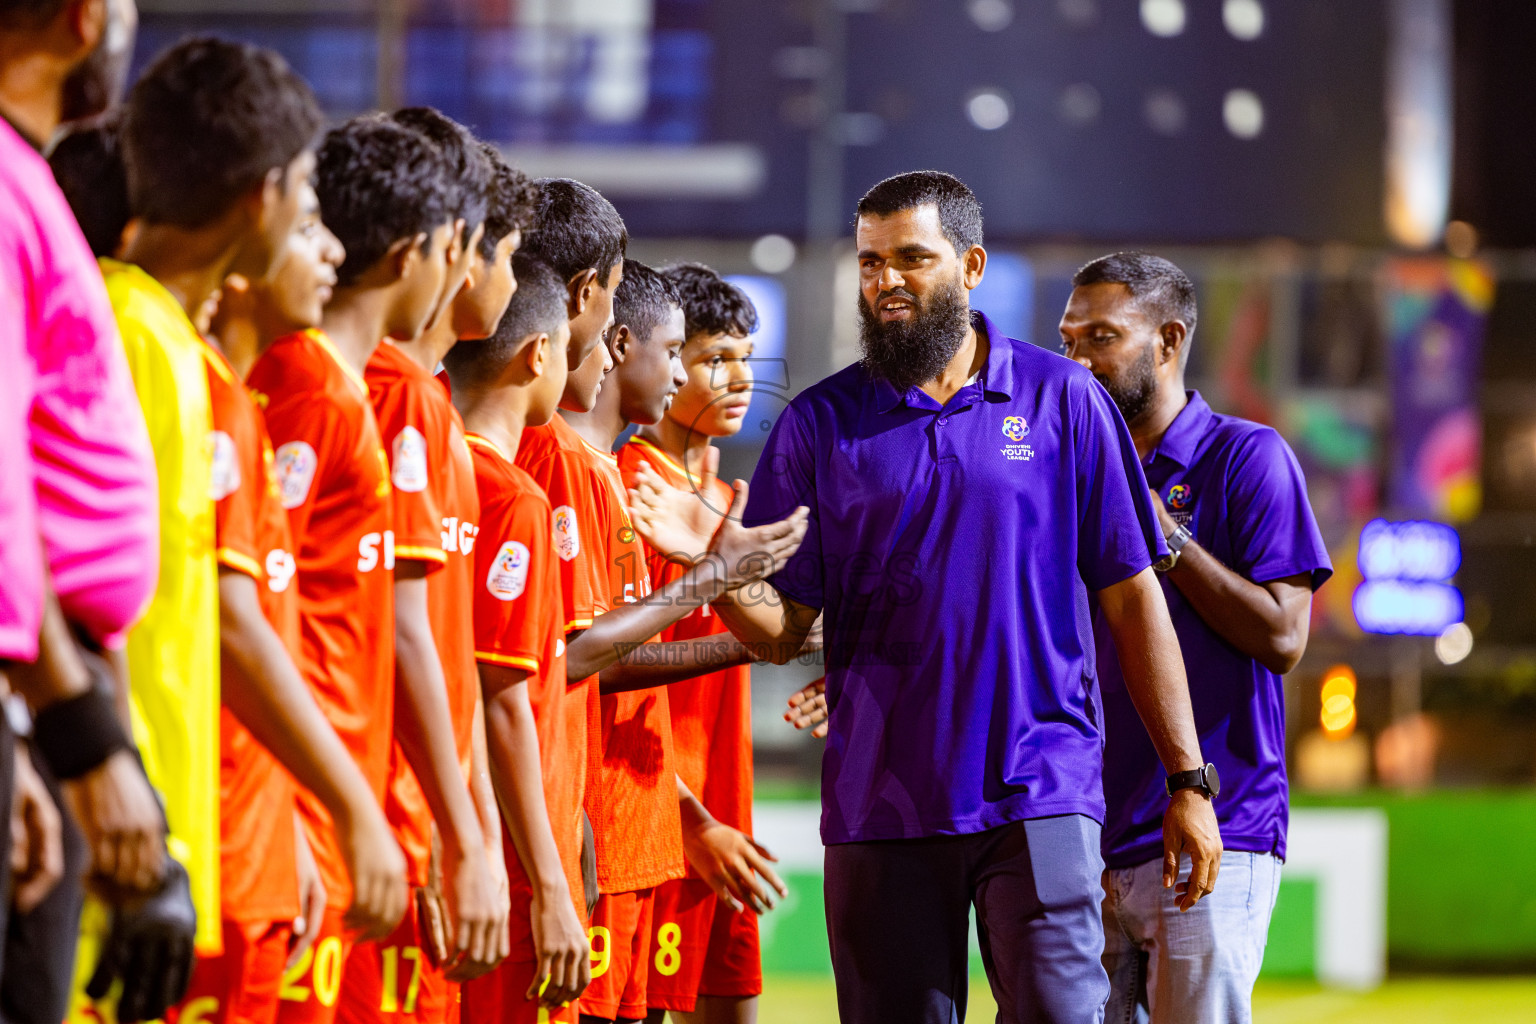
[[88, 165], [471, 171], [206, 122], [1159, 287], [379, 182], [537, 307], [711, 304], [645, 298], [577, 230], [514, 201], [959, 210], [28, 13]]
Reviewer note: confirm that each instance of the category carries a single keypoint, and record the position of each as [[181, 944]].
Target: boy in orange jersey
[[385, 192], [712, 967], [267, 708], [536, 735], [633, 792], [412, 975]]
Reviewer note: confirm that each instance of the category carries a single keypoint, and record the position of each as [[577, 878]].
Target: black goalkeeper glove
[[150, 949]]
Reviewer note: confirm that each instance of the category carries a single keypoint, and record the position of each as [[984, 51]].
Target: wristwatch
[[1203, 778], [1176, 541]]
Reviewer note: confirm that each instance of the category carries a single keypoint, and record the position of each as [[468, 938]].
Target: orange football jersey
[[257, 876], [518, 619], [435, 512], [333, 479], [711, 714], [631, 794]]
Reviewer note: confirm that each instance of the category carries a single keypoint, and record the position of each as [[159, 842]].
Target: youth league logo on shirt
[[410, 450], [296, 463], [509, 572], [226, 467], [567, 536], [1015, 429]]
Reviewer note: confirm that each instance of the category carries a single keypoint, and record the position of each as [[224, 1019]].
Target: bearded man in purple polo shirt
[[971, 497], [1244, 559]]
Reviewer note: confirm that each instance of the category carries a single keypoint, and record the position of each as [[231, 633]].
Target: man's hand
[[150, 949], [501, 945], [565, 966], [37, 846], [1189, 827], [470, 896], [377, 867], [808, 708], [122, 821], [731, 861], [312, 898]]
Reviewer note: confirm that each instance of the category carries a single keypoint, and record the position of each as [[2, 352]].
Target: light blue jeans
[[1196, 968]]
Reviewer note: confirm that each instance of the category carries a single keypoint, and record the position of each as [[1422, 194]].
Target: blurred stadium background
[[1349, 184]]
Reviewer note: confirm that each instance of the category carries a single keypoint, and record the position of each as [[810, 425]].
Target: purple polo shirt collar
[[995, 378], [1184, 433]]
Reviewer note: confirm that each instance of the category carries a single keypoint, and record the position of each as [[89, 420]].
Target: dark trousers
[[898, 919], [40, 945]]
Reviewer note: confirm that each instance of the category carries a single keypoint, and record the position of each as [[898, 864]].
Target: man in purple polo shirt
[[970, 495], [1244, 559]]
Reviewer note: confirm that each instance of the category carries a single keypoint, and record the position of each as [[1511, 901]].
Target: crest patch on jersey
[[1015, 428], [296, 464], [567, 536], [509, 572], [226, 466], [410, 451], [1179, 496]]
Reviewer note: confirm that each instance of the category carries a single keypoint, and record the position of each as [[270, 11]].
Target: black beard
[[911, 352], [1133, 393]]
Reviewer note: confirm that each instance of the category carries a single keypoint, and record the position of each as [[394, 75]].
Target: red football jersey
[[712, 714], [333, 479], [518, 623], [435, 514], [257, 876], [631, 790]]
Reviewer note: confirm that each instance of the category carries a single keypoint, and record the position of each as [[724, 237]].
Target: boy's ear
[[581, 288], [619, 343], [399, 256], [538, 355]]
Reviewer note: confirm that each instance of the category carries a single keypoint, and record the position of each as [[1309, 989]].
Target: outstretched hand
[[808, 708], [675, 521], [731, 862]]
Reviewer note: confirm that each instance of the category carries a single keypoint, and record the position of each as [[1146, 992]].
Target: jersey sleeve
[[415, 442], [1117, 530], [514, 608], [1273, 531], [306, 439], [785, 478], [239, 480], [576, 536], [21, 599]]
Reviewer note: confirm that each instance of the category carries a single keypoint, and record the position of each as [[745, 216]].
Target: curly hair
[[472, 172], [577, 230], [379, 182], [514, 201], [205, 124], [645, 299], [711, 304]]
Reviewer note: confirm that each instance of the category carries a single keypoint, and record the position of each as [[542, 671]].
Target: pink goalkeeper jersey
[[64, 377]]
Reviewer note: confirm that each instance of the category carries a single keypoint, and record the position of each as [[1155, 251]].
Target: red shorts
[[497, 998], [701, 948], [393, 980], [240, 985], [312, 988], [621, 945]]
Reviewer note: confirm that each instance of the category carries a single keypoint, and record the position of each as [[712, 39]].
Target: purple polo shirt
[[953, 551], [1237, 487]]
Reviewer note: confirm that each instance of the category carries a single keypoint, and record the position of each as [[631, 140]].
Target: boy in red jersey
[[267, 708], [384, 191], [536, 735], [436, 514], [633, 792], [709, 962]]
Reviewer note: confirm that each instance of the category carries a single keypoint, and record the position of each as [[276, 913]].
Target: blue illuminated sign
[[1407, 568]]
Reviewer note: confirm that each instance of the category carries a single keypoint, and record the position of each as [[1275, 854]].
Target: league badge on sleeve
[[567, 535], [226, 466], [509, 572], [410, 451], [296, 464]]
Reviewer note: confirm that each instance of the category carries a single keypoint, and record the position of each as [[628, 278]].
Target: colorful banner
[[1437, 311]]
